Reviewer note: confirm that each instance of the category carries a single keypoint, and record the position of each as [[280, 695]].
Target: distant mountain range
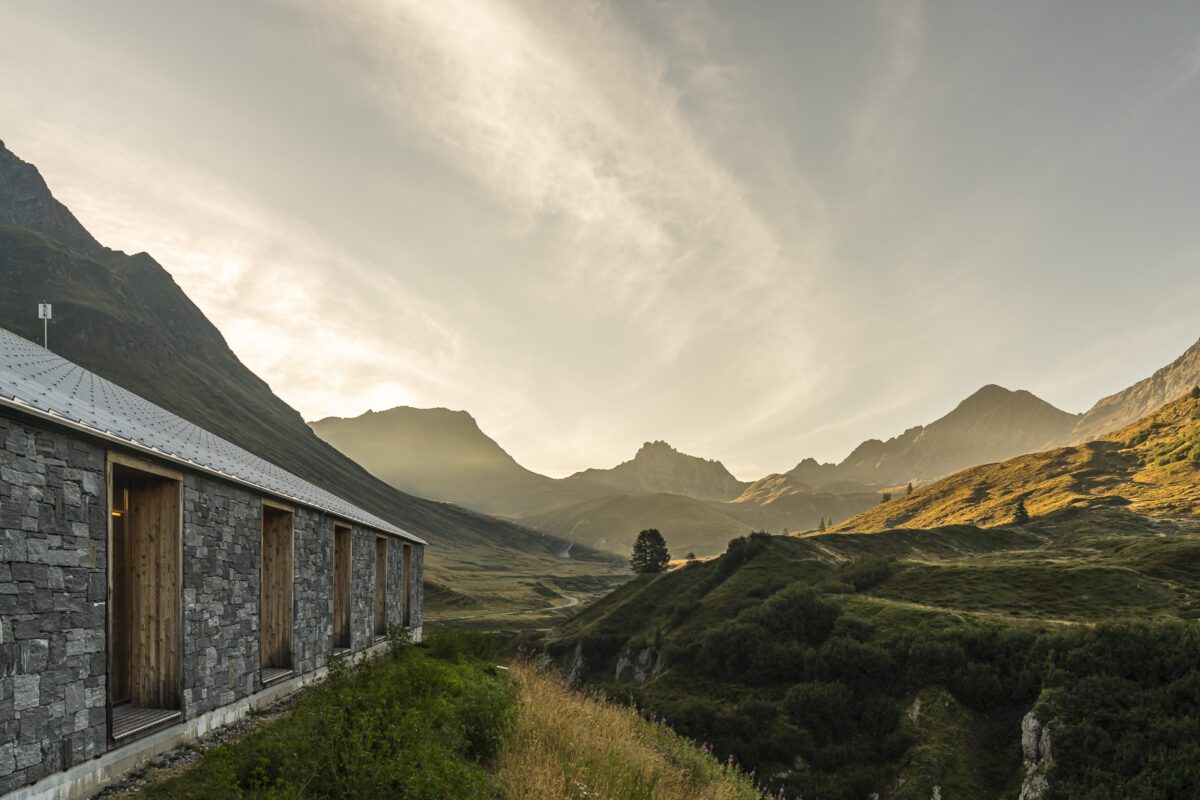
[[124, 317], [696, 503], [992, 424]]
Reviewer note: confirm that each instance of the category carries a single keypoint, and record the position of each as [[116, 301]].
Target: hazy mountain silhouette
[[659, 468], [443, 455]]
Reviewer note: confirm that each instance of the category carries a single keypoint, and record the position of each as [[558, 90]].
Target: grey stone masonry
[[395, 573], [416, 591], [312, 594], [395, 597], [362, 588], [222, 532], [54, 589], [53, 586]]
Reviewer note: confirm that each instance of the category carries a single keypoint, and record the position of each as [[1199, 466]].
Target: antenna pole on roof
[[44, 316]]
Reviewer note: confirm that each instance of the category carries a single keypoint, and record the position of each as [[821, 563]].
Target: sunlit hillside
[[1151, 466]]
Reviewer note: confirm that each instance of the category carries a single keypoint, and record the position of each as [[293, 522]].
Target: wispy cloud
[[568, 119]]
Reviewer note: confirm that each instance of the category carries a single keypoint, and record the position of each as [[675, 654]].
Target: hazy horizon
[[759, 233]]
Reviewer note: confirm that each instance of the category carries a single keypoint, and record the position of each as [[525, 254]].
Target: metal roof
[[37, 381]]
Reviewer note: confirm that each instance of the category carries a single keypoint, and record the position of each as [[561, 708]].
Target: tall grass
[[571, 746]]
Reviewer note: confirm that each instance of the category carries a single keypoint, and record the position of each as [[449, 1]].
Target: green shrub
[[409, 727]]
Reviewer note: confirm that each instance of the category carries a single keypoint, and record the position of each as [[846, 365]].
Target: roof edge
[[61, 421]]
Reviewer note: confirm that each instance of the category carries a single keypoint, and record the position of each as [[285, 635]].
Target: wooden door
[[276, 587], [406, 584], [380, 585], [152, 555], [341, 586]]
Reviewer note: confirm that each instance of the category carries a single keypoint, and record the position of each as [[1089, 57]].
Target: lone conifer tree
[[649, 552], [908, 491], [1020, 515]]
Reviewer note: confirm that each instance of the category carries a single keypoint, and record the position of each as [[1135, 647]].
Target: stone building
[[157, 581]]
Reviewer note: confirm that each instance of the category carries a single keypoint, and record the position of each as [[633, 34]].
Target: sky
[[760, 231]]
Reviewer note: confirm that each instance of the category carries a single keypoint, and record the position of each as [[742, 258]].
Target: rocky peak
[[658, 467], [26, 202], [1135, 402]]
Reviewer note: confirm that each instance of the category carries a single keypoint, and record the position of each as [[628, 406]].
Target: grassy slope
[[123, 317], [1151, 466], [1070, 568], [440, 721]]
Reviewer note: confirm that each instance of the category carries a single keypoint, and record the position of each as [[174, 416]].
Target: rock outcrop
[[1035, 747], [645, 668]]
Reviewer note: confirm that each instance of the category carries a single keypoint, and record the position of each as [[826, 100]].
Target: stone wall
[[222, 535], [53, 593], [395, 580], [416, 592], [395, 598], [362, 588], [53, 584], [312, 633]]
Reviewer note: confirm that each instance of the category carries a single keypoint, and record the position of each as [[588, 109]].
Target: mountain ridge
[[659, 468], [990, 424], [1151, 466], [1136, 401]]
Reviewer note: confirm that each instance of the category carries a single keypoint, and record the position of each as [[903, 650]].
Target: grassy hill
[[957, 660], [841, 665], [1151, 466]]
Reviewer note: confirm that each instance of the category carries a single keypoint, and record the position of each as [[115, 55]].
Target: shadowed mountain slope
[[780, 501], [612, 523], [1152, 467], [1145, 396], [126, 319], [443, 455]]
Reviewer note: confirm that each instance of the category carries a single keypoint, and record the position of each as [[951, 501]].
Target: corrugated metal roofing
[[37, 380]]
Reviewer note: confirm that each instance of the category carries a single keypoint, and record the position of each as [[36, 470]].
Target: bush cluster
[[794, 683], [423, 722]]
